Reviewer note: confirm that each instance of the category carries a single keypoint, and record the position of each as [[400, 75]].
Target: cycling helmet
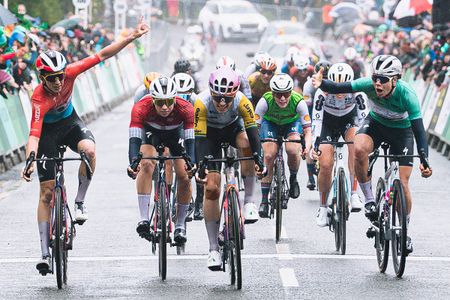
[[291, 53], [350, 53], [386, 65], [226, 61], [149, 78], [301, 62], [224, 82], [259, 56], [163, 88], [51, 62], [340, 72], [268, 63], [281, 83], [184, 82], [325, 64], [182, 65]]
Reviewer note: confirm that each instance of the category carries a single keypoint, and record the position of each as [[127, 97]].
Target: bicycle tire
[[381, 244], [398, 242], [335, 224], [235, 237], [342, 211], [162, 210], [278, 200], [59, 238]]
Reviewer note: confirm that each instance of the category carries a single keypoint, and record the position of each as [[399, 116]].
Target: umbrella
[[6, 17], [346, 11], [67, 23], [410, 8]]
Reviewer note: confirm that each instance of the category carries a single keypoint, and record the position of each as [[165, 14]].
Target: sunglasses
[[267, 72], [219, 99], [279, 95], [382, 79], [53, 77], [162, 102]]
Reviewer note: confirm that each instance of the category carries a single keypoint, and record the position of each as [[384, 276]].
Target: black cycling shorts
[[66, 132], [216, 136], [400, 139], [334, 127], [172, 139]]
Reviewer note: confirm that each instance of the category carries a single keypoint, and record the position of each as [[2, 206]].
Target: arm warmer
[[190, 150], [420, 135], [336, 88], [133, 148], [253, 138]]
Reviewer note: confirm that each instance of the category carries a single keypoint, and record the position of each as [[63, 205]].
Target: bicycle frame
[[339, 163]]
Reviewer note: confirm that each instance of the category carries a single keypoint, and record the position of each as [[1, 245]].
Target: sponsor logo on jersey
[[37, 112], [249, 109], [307, 118], [257, 117]]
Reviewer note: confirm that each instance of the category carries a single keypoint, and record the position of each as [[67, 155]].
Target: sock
[[265, 189], [310, 168], [354, 183], [249, 183], [212, 228], [144, 206], [366, 188], [44, 230], [323, 199], [182, 210], [83, 184]]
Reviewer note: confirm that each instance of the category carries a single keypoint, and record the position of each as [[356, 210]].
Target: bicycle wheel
[[342, 210], [381, 244], [278, 199], [162, 223], [399, 234], [58, 250], [234, 227]]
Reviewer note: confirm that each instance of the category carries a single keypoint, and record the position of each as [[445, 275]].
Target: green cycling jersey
[[282, 116]]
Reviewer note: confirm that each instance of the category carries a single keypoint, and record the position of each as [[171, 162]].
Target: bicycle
[[161, 226], [279, 188], [62, 225], [232, 227], [341, 195], [391, 224]]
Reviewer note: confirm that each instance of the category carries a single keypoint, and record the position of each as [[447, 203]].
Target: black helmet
[[326, 66], [182, 66]]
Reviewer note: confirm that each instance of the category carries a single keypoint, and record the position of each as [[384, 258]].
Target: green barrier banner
[[26, 106], [106, 93], [18, 120], [87, 98], [430, 104], [444, 116], [8, 135], [116, 81], [437, 108], [96, 97]]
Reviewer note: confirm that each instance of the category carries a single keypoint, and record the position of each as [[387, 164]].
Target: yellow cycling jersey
[[206, 114], [257, 87]]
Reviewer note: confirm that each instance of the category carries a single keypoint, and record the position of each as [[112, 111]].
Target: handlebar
[[229, 161], [134, 164]]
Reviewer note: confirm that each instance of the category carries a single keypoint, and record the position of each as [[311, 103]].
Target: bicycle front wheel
[[235, 242], [162, 224], [342, 211], [278, 199], [399, 233], [381, 244], [59, 253]]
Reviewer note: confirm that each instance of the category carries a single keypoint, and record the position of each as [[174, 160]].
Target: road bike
[[161, 226], [279, 188], [62, 225], [231, 220], [390, 224], [339, 206]]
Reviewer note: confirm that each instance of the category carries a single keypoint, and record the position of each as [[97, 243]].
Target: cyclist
[[394, 117], [224, 114], [145, 88], [157, 118], [351, 58], [335, 116], [244, 87], [292, 55], [309, 92], [55, 122], [260, 80], [300, 72], [255, 64], [183, 65], [282, 111]]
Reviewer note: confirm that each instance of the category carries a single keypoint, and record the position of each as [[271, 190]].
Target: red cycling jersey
[[144, 113], [43, 101]]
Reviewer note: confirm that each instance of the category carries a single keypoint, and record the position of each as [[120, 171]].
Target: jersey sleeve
[[412, 103], [200, 115], [362, 107], [188, 120], [260, 110], [303, 114], [138, 114], [362, 85], [247, 113], [39, 109], [317, 119], [76, 68]]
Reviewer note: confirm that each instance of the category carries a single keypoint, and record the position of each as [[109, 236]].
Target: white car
[[233, 19]]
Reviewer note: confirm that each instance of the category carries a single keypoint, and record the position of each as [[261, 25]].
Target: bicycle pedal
[[79, 222]]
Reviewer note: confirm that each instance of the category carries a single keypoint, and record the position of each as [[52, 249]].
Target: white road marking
[[245, 256], [284, 249], [288, 278]]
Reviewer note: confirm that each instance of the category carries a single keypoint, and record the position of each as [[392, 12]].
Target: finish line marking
[[245, 256]]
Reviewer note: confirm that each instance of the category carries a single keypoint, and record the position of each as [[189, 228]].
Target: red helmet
[[51, 62]]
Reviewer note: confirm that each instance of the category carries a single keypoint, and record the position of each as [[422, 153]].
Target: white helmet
[[259, 56], [340, 72], [291, 53], [281, 83], [350, 53], [301, 62], [386, 65], [163, 88], [184, 82], [226, 61]]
